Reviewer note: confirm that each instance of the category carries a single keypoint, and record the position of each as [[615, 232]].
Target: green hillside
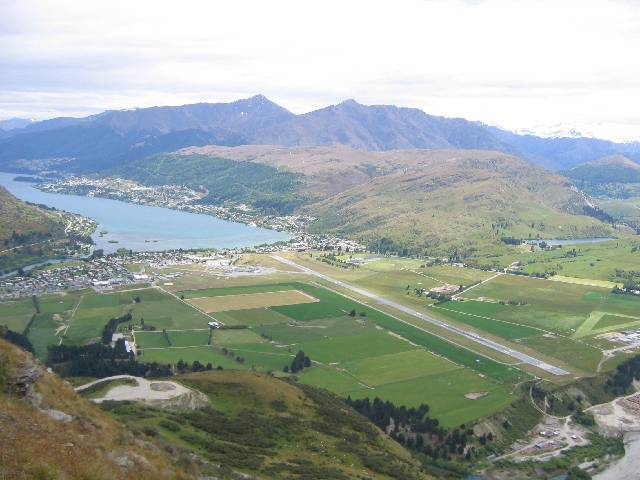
[[610, 177], [615, 168], [480, 200], [224, 180], [26, 231], [273, 429], [426, 199], [413, 200]]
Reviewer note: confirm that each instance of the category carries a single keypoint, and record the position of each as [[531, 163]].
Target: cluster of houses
[[99, 272], [105, 272], [177, 197], [304, 242]]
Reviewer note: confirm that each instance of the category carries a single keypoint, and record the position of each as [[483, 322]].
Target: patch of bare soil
[[162, 386], [476, 395]]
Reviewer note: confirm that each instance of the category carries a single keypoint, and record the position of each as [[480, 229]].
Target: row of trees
[[232, 355], [98, 360], [414, 428], [384, 413], [112, 325], [621, 380], [196, 366]]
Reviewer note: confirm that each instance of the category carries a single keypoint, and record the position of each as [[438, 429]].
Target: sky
[[515, 63]]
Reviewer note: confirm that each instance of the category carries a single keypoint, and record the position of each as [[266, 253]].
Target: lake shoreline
[[147, 227], [175, 197]]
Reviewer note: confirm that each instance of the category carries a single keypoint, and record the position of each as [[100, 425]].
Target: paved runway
[[522, 357]]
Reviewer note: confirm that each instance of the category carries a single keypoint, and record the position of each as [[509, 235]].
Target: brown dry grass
[[246, 301], [426, 198], [35, 446]]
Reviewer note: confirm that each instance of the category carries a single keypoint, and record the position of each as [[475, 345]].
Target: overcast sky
[[514, 63]]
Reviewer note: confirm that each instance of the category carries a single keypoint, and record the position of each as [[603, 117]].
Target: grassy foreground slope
[[255, 426], [273, 429], [424, 199], [33, 444]]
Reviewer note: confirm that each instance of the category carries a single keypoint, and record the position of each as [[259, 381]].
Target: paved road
[[522, 357]]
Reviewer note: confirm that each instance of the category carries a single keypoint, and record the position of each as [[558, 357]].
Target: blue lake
[[574, 241], [147, 228]]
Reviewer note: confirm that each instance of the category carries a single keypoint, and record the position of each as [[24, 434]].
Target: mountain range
[[606, 131], [13, 123], [115, 137]]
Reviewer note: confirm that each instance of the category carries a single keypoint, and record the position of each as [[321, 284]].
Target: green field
[[575, 312], [16, 314], [345, 349], [445, 395], [227, 337], [332, 379], [574, 352], [396, 367], [608, 321], [188, 338], [610, 261], [49, 325], [173, 338], [42, 334], [479, 315], [151, 340], [202, 354], [349, 353], [156, 308], [554, 306], [252, 317], [310, 311]]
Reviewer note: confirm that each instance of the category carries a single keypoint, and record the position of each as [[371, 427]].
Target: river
[[144, 227], [628, 467]]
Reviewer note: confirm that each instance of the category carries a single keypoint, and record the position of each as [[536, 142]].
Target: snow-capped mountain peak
[[620, 133]]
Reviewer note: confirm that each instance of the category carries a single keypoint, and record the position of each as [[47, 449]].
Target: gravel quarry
[[164, 394]]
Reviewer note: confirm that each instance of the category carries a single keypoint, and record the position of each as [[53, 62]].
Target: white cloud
[[516, 63]]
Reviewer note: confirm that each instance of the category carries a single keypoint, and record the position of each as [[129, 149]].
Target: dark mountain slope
[[379, 127], [614, 168], [242, 117], [13, 123], [113, 138]]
